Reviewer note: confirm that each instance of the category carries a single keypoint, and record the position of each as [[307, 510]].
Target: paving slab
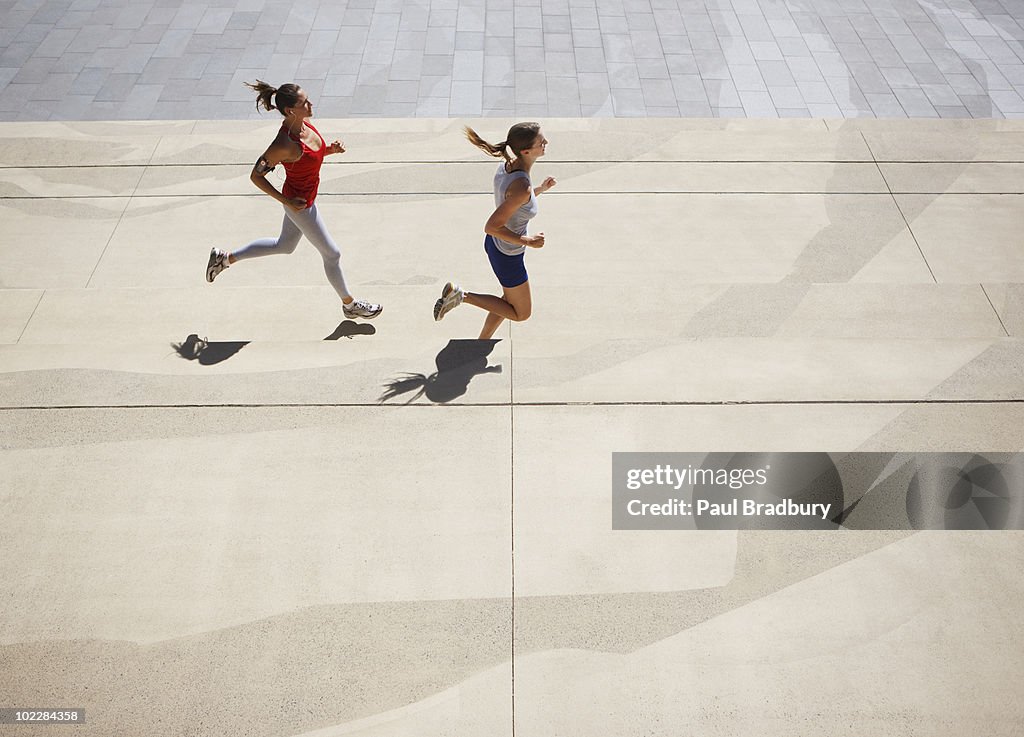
[[776, 661], [953, 145], [101, 347], [722, 238], [382, 241], [968, 238], [442, 140], [81, 145], [100, 181], [80, 377], [950, 311], [55, 242], [960, 178], [771, 177], [854, 311], [348, 631], [762, 370], [466, 177], [273, 314], [927, 125], [316, 501]]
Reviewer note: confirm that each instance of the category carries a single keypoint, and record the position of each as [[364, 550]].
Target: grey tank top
[[516, 223]]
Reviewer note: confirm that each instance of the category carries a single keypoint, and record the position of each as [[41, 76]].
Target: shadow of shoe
[[349, 328], [457, 364], [199, 349]]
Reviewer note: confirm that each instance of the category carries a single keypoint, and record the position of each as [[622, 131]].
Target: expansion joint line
[[113, 232], [127, 204], [512, 518], [42, 293], [1000, 319], [429, 407], [898, 208]]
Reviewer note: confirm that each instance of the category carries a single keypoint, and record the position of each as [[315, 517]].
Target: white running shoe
[[361, 308], [217, 263], [451, 297]]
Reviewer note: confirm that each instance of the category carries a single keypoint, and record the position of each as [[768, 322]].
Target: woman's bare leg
[[515, 305], [491, 323]]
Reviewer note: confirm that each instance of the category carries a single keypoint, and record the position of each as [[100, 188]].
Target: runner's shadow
[[199, 349], [457, 364], [349, 328]]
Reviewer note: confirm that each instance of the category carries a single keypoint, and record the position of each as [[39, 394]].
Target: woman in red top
[[301, 148]]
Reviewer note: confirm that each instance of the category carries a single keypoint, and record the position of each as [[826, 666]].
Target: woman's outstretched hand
[[336, 147], [546, 185]]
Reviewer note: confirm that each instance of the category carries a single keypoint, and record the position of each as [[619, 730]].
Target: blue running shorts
[[510, 270]]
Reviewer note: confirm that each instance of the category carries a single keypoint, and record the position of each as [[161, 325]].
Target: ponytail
[[284, 96], [264, 92], [498, 151], [520, 137]]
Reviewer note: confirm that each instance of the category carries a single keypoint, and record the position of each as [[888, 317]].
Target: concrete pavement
[[229, 511]]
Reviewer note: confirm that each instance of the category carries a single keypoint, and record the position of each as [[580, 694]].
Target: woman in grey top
[[506, 240]]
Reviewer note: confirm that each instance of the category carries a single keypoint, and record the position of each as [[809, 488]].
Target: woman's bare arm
[[278, 152], [517, 195]]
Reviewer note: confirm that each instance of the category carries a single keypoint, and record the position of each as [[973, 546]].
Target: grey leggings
[[297, 224]]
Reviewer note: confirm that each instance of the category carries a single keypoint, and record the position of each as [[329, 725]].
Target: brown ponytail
[[284, 96], [498, 151], [520, 137]]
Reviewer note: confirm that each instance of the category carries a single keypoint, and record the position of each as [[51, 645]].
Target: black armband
[[263, 166]]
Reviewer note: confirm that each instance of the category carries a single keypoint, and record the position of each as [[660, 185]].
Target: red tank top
[[302, 177]]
